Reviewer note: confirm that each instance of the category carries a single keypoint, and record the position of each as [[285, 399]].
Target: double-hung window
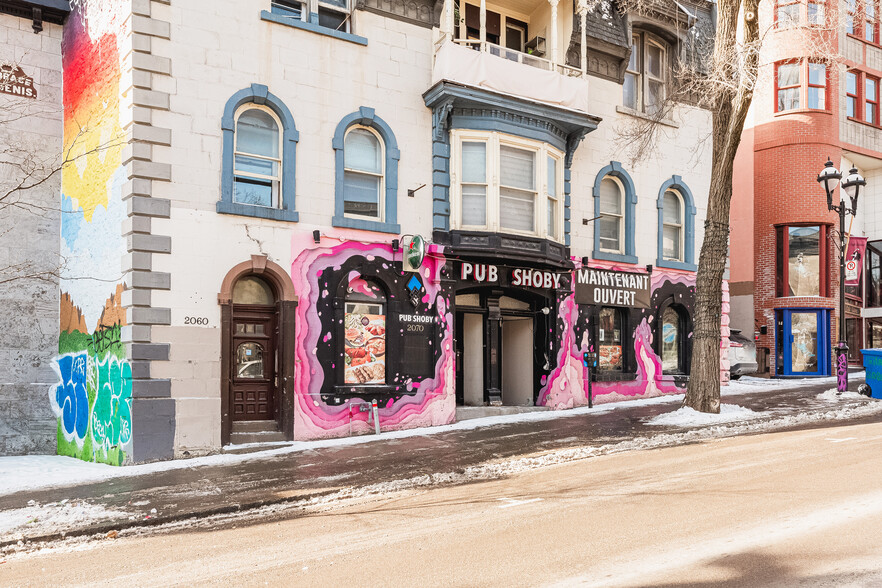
[[334, 14], [331, 14], [611, 224], [363, 174], [787, 14], [871, 24], [257, 159], [851, 94], [500, 182], [645, 86], [672, 228], [862, 97], [800, 84]]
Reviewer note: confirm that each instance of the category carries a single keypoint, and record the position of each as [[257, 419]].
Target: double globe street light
[[851, 190]]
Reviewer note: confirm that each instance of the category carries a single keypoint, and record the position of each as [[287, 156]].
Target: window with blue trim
[[330, 14], [676, 225], [257, 163], [259, 153], [363, 175], [615, 204], [672, 226], [366, 160]]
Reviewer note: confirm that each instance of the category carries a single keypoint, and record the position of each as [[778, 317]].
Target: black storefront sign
[[418, 356], [519, 277], [602, 287]]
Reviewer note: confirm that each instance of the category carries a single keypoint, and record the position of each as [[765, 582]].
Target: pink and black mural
[[366, 331]]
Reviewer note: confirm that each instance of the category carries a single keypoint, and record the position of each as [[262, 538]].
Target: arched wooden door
[[253, 352]]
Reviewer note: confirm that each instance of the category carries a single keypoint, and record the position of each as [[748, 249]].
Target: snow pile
[[53, 517], [831, 395], [688, 417]]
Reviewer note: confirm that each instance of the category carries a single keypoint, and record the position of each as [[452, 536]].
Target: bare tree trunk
[[729, 113]]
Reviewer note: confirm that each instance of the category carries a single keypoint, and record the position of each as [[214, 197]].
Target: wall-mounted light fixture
[[649, 268], [316, 236], [395, 244], [584, 261]]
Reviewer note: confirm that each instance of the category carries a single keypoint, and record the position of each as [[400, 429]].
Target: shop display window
[[874, 277], [672, 348], [365, 334], [609, 339]]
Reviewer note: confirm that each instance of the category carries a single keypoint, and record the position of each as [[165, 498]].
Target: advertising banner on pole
[[854, 260]]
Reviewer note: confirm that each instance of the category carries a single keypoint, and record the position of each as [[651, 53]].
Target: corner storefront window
[[801, 261]]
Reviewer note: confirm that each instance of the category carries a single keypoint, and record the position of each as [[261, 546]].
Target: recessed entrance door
[[517, 361], [253, 353]]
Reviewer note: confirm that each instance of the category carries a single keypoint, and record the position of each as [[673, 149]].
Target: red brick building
[[784, 279]]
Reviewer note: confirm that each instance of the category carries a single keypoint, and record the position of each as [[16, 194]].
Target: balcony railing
[[519, 57]]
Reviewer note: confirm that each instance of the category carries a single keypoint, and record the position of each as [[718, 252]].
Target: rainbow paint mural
[[92, 399]]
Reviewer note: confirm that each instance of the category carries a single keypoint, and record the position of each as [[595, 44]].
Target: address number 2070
[[195, 320]]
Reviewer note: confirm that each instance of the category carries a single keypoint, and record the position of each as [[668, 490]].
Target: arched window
[[366, 161], [670, 343], [259, 149], [365, 333], [672, 226], [363, 174], [615, 204], [257, 167], [252, 290], [676, 225], [611, 223]]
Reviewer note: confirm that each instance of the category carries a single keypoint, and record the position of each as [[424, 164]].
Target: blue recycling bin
[[873, 365]]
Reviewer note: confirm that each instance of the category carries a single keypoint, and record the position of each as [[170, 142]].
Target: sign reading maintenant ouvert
[[612, 288]]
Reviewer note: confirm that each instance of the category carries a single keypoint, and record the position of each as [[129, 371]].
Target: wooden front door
[[253, 381]]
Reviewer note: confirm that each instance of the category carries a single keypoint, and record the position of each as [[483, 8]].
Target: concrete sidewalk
[[459, 456]]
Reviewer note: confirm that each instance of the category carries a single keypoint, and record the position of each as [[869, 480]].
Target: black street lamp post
[[851, 187]]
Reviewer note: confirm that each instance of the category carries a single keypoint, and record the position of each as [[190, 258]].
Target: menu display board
[[365, 339]]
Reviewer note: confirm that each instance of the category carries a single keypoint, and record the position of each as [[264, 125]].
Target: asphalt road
[[790, 508]]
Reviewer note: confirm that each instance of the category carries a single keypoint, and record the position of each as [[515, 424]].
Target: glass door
[[806, 342]]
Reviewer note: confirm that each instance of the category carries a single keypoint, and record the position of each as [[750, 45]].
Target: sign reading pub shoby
[[518, 276], [15, 82], [611, 288]]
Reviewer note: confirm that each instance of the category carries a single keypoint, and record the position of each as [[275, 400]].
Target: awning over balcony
[[466, 66]]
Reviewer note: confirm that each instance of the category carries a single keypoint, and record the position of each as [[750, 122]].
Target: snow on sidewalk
[[35, 472], [53, 517], [687, 417]]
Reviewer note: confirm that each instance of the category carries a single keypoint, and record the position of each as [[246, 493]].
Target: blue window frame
[[676, 225], [614, 229], [802, 342], [270, 173], [358, 177]]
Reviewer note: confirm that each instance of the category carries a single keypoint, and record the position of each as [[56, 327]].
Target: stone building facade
[[30, 133], [266, 165]]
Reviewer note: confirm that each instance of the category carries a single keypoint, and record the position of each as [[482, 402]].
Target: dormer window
[[646, 76]]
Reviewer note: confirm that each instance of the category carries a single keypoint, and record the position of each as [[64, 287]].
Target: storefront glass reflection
[[365, 336], [670, 347], [804, 261], [804, 350]]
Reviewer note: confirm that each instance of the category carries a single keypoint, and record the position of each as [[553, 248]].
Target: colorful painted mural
[[566, 385], [93, 397], [420, 382]]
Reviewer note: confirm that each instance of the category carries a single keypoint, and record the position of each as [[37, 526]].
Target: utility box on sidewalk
[[873, 365]]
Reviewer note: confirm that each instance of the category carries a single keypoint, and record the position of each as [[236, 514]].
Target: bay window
[[800, 84], [500, 182]]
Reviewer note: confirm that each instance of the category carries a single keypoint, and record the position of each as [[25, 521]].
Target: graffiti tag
[[104, 338], [69, 399], [109, 417]]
